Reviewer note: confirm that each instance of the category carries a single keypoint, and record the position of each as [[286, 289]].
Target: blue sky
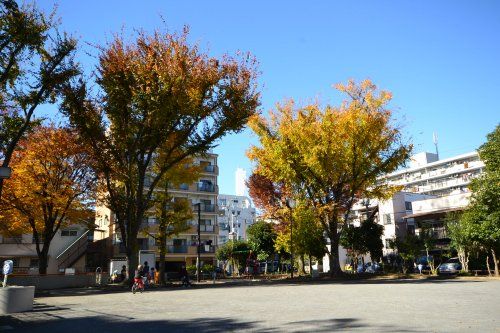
[[440, 59]]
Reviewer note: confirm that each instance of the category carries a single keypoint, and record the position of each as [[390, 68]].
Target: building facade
[[182, 248], [431, 188], [22, 251], [236, 214]]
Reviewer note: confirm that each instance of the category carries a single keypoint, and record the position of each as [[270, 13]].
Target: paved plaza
[[361, 306]]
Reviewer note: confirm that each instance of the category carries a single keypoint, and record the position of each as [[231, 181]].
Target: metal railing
[[210, 168], [207, 208], [74, 251], [177, 249], [204, 187]]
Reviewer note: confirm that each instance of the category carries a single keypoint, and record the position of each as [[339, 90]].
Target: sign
[[8, 265], [5, 172]]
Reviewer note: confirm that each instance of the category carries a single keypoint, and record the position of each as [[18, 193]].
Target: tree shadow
[[343, 325], [65, 324]]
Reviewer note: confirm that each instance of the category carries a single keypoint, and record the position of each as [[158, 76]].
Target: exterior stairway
[[74, 251]]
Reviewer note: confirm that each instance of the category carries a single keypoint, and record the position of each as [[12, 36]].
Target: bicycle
[[138, 285]]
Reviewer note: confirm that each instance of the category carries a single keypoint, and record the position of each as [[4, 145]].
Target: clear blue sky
[[441, 59]]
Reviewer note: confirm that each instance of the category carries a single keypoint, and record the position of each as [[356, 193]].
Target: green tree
[[163, 100], [363, 240], [408, 249], [462, 234], [234, 252], [483, 212], [261, 237], [35, 61], [333, 156]]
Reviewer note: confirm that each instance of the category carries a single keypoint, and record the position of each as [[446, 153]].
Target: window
[[387, 219], [33, 263], [70, 232], [408, 205]]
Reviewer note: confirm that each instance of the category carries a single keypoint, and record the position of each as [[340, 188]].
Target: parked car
[[373, 267], [451, 266]]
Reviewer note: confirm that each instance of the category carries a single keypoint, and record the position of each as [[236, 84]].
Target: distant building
[[236, 214], [240, 177]]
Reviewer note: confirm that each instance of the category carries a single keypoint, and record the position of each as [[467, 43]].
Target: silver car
[[451, 266]]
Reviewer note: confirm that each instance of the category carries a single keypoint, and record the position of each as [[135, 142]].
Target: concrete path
[[358, 306]]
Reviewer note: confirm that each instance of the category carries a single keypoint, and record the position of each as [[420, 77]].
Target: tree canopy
[[36, 60], [52, 185], [163, 100], [333, 156]]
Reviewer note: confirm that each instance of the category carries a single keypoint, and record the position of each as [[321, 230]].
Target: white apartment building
[[236, 214], [182, 248], [431, 189]]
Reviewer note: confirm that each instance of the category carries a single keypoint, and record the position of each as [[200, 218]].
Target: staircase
[[74, 251]]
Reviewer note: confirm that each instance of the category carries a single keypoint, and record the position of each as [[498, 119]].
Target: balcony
[[206, 187], [212, 169], [177, 249], [205, 208]]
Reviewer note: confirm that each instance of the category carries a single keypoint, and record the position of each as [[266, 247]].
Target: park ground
[[389, 305]]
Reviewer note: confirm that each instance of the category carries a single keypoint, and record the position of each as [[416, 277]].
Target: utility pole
[[198, 259]]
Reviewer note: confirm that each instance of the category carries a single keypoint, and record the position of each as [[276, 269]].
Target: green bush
[[191, 269], [207, 268]]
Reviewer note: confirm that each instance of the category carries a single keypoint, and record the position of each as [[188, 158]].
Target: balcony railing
[[211, 169], [207, 208], [177, 249], [204, 187]]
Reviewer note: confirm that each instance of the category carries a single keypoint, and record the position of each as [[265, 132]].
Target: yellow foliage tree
[[332, 156], [51, 186]]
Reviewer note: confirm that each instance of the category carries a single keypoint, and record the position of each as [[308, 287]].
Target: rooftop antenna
[[435, 140]]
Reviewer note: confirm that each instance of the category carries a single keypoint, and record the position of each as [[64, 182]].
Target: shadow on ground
[[64, 322]]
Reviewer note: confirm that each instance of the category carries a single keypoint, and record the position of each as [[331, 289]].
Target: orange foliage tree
[[52, 185]]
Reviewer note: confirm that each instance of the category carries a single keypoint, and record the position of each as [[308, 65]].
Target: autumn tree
[[52, 186], [160, 95], [35, 61], [334, 155]]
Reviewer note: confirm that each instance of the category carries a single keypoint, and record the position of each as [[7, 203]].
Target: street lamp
[[198, 259], [291, 204]]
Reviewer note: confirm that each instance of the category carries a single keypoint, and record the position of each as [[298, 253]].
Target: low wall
[[46, 282]]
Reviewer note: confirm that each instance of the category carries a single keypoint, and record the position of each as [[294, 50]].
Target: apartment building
[[428, 175], [432, 188], [236, 214], [181, 249]]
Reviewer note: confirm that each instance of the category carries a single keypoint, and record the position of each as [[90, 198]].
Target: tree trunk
[[464, 259], [310, 266], [132, 258], [302, 265], [334, 260], [495, 262], [488, 264], [333, 257], [163, 252], [43, 262]]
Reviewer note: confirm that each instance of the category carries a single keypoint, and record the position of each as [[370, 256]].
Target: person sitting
[[185, 277], [123, 273]]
